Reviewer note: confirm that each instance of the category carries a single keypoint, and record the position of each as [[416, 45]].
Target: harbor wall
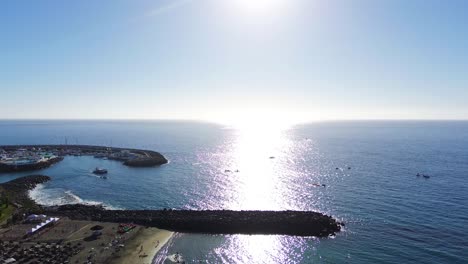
[[296, 223]]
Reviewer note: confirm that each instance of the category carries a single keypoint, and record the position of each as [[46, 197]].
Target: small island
[[16, 158]]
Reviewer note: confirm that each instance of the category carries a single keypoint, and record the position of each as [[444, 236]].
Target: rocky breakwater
[[148, 159], [297, 223], [17, 191], [4, 167]]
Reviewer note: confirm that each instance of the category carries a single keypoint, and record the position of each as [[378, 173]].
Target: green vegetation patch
[[6, 210]]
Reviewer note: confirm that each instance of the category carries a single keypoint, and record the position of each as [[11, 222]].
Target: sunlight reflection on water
[[254, 162], [261, 167]]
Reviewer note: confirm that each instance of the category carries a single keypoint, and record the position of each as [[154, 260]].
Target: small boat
[[176, 258], [100, 171], [319, 185]]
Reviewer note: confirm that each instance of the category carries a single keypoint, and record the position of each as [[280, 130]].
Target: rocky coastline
[[17, 192], [296, 223]]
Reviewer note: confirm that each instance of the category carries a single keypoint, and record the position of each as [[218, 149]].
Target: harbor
[[34, 157]]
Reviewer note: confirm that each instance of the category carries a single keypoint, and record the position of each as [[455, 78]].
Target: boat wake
[[58, 196]]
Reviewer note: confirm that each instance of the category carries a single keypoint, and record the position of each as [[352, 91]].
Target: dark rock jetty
[[297, 223], [151, 158], [25, 183]]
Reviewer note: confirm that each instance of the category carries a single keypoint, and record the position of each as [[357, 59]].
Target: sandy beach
[[72, 241], [144, 246]]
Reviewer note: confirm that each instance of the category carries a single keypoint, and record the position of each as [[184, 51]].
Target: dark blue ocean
[[391, 215]]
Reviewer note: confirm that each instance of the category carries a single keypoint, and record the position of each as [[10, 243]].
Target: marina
[[28, 158]]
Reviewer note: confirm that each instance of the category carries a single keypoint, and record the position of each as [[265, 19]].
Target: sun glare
[[260, 120], [259, 143], [260, 7]]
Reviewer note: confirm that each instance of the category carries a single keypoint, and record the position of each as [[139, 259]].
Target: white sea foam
[[57, 196]]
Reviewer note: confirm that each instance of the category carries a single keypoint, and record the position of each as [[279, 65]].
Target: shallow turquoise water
[[390, 214]]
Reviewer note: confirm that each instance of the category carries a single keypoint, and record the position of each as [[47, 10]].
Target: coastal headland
[[15, 158]]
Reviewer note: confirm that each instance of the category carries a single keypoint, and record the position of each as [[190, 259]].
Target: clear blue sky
[[210, 59]]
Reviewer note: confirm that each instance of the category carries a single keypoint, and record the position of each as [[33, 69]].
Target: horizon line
[[221, 123]]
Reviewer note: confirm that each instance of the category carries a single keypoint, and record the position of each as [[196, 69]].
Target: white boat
[[176, 258], [100, 171]]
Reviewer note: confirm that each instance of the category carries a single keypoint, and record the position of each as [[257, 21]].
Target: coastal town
[[22, 157]]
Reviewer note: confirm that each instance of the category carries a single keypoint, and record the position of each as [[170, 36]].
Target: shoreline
[[77, 243], [150, 231], [295, 223], [17, 191], [39, 190], [144, 247], [69, 234]]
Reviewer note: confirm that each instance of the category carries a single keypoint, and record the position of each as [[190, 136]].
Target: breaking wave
[[58, 196]]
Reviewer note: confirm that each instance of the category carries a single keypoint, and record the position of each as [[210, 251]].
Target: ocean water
[[390, 214]]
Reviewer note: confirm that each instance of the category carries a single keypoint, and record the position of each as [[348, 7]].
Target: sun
[[259, 7]]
